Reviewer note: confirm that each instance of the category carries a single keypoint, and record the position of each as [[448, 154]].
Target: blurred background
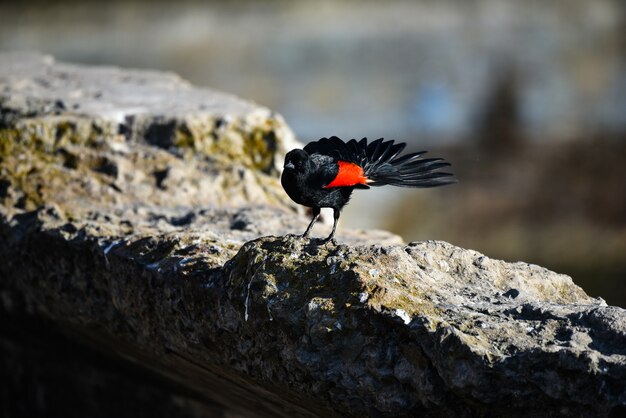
[[526, 99]]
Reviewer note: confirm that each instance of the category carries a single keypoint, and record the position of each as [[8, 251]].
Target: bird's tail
[[383, 166]]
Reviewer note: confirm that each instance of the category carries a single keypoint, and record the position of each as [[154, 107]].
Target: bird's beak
[[289, 165]]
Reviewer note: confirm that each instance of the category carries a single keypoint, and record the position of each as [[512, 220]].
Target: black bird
[[325, 172]]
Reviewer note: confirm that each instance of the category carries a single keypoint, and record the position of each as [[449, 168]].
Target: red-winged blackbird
[[325, 172]]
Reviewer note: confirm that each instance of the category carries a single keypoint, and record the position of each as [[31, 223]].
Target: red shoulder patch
[[349, 174]]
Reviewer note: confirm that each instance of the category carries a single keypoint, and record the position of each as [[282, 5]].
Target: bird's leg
[[316, 214], [331, 237]]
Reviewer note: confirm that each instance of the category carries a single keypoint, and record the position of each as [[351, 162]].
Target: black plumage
[[325, 172]]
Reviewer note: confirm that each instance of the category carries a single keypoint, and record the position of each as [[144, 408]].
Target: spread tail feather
[[384, 166]]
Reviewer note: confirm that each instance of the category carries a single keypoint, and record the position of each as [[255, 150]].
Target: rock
[[122, 137], [427, 328], [148, 276]]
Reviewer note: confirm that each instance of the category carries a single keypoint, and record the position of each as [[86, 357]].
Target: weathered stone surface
[[121, 137], [427, 327], [131, 261]]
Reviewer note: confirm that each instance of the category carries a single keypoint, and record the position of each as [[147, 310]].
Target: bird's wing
[[377, 163], [348, 175], [324, 169], [358, 152], [351, 151], [337, 163]]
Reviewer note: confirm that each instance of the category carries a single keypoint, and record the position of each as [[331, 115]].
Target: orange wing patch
[[349, 174]]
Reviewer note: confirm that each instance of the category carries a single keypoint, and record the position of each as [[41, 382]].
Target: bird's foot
[[325, 241]]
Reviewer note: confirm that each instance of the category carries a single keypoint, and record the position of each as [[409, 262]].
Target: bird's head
[[296, 160]]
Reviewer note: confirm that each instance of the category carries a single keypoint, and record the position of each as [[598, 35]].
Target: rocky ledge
[[147, 270]]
